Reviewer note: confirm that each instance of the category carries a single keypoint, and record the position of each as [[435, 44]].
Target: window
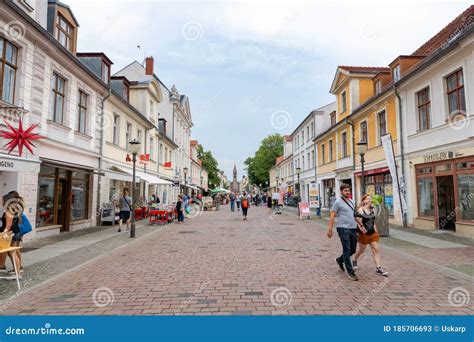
[[333, 118], [425, 196], [302, 138], [79, 195], [64, 32], [466, 196], [378, 87], [455, 90], [8, 58], [330, 151], [81, 127], [105, 73], [363, 132], [58, 91], [302, 162], [128, 134], [396, 73], [309, 160], [312, 129], [424, 107], [307, 133], [312, 158], [139, 138], [382, 125], [343, 102], [45, 205], [152, 142], [165, 156], [344, 144], [116, 129], [323, 154], [152, 110], [162, 158]]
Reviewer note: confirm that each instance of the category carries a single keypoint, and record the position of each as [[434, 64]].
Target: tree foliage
[[259, 165], [209, 163]]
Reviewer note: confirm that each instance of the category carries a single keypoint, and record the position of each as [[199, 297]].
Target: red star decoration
[[20, 137]]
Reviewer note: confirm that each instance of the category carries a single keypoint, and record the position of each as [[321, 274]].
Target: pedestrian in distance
[[344, 209], [232, 201], [269, 203], [245, 203], [180, 209], [237, 200], [368, 234], [125, 203]]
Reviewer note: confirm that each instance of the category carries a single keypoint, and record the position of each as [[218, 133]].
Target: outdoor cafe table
[[10, 249]]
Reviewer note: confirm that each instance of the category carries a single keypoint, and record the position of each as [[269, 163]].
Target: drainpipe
[[99, 187], [402, 152], [349, 122]]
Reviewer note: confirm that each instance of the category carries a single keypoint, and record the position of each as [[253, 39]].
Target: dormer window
[[64, 32], [378, 87], [343, 102], [105, 72], [396, 73], [333, 118]]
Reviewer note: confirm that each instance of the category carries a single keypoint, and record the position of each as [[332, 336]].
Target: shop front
[[64, 197], [329, 191], [20, 174], [378, 182], [445, 194]]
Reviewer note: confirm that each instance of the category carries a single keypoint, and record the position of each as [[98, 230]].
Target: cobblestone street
[[270, 265]]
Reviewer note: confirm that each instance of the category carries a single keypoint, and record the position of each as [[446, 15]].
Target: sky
[[254, 68]]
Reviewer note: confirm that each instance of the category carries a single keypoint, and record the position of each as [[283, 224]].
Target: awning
[[13, 163], [121, 174], [192, 187], [373, 171], [153, 179]]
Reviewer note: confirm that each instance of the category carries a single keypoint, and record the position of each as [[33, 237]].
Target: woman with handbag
[[367, 234], [13, 206]]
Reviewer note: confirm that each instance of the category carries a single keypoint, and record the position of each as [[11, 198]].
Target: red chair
[[144, 212], [138, 214], [158, 216]]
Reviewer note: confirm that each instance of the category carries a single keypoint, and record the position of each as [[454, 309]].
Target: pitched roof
[[288, 138], [193, 142], [363, 69], [279, 159], [450, 31]]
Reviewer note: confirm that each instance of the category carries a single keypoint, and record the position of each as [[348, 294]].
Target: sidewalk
[[48, 257]]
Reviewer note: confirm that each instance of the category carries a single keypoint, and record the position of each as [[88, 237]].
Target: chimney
[[149, 65]]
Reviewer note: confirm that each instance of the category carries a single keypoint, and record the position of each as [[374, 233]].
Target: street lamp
[[185, 172], [362, 149], [134, 147], [298, 171]]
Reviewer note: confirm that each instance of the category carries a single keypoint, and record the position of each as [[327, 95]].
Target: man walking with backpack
[[344, 209], [245, 204]]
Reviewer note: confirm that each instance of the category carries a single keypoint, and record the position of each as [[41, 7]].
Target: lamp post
[[185, 172], [362, 149], [298, 171], [134, 147]]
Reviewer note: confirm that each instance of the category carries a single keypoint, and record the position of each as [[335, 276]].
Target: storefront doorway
[[445, 209]]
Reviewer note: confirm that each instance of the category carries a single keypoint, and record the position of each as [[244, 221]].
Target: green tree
[[259, 165], [209, 163]]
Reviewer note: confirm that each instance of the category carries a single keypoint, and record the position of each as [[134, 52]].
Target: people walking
[[125, 203], [232, 201], [180, 209], [269, 203], [245, 203], [237, 200], [12, 218], [344, 209], [368, 234]]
